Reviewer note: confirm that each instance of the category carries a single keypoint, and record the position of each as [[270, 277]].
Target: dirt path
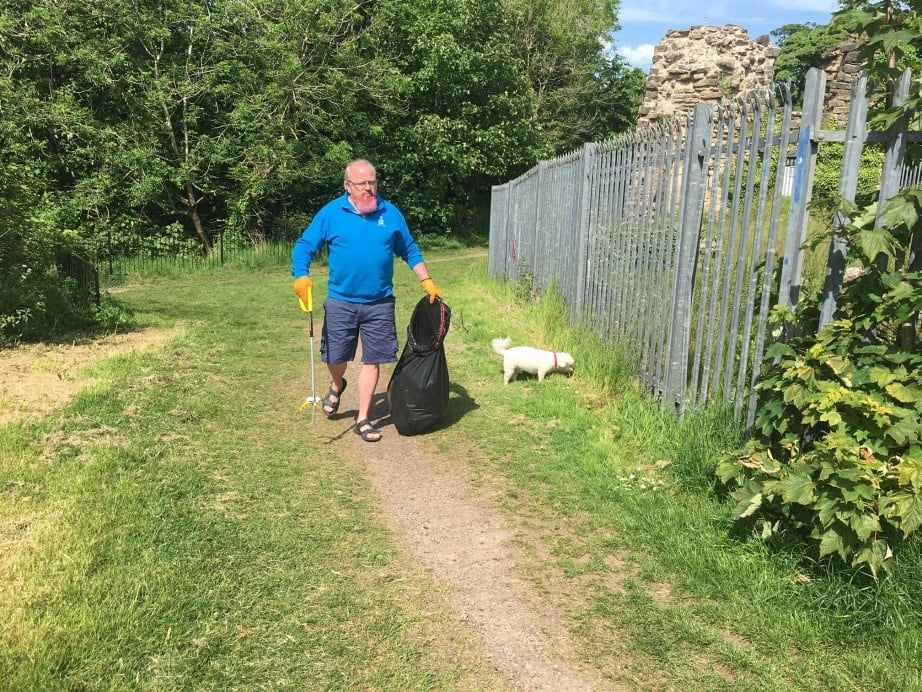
[[436, 514], [466, 543]]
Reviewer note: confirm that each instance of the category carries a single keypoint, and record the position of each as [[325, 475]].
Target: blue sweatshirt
[[361, 249]]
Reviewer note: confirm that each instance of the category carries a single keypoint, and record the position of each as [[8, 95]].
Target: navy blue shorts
[[345, 323]]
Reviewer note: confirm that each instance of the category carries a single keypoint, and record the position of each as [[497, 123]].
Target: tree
[[463, 115], [802, 46], [174, 122], [484, 94], [891, 34], [49, 141], [304, 90], [560, 45], [618, 93], [235, 104]]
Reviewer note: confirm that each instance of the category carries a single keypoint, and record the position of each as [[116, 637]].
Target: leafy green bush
[[829, 172], [35, 302], [837, 450]]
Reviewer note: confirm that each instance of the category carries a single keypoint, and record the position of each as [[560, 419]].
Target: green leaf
[[832, 542], [910, 473], [832, 417], [858, 492], [907, 507], [864, 525], [900, 211], [876, 554], [749, 499], [911, 516], [779, 349], [876, 241], [796, 488], [899, 290], [842, 367], [827, 509], [902, 393], [727, 470], [904, 429], [880, 376]]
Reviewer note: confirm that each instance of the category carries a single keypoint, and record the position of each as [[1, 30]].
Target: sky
[[644, 23]]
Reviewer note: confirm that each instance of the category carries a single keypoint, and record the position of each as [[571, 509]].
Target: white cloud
[[641, 56]]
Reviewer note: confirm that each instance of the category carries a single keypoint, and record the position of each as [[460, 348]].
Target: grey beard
[[366, 206]]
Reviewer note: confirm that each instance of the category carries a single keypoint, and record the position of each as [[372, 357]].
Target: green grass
[[180, 526]]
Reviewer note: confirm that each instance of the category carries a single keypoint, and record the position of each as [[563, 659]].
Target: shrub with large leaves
[[836, 453]]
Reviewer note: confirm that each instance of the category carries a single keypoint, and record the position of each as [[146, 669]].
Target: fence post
[[855, 136], [690, 214], [537, 228], [895, 150], [509, 231], [891, 179], [811, 120], [587, 160], [497, 258]]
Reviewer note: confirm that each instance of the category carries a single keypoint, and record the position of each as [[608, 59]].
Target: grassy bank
[[178, 525]]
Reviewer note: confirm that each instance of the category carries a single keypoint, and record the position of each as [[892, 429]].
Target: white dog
[[531, 360]]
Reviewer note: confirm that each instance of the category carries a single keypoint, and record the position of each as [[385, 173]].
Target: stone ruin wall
[[704, 63], [842, 70], [714, 63]]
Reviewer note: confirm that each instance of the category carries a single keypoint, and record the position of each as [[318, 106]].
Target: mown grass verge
[[179, 525]]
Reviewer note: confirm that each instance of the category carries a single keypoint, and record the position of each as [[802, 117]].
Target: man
[[363, 233]]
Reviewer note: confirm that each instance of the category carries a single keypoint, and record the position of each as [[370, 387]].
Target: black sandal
[[333, 405], [365, 430]]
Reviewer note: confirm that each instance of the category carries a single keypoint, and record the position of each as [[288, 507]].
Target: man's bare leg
[[337, 370], [368, 383]]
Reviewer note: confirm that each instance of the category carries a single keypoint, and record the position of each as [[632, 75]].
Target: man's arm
[[422, 273]]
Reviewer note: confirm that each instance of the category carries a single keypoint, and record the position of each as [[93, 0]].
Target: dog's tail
[[500, 345]]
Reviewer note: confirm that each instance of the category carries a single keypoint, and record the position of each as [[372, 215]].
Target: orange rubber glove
[[431, 290], [302, 283]]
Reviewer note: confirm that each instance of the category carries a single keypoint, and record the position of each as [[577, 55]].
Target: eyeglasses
[[362, 183]]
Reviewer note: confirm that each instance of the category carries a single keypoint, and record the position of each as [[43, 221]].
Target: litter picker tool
[[309, 309]]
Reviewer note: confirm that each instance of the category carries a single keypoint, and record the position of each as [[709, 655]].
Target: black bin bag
[[418, 390]]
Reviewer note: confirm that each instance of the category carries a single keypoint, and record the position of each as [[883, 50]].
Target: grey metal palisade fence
[[677, 239]]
